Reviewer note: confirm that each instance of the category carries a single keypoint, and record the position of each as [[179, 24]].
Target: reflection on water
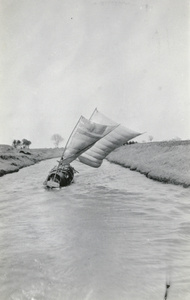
[[112, 235]]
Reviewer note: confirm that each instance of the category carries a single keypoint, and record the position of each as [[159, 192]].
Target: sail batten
[[85, 135], [117, 137]]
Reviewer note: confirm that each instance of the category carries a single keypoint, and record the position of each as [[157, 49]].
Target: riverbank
[[167, 162], [12, 160]]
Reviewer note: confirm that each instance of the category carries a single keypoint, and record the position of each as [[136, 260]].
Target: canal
[[111, 235]]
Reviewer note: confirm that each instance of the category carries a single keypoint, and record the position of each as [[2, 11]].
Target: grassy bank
[[163, 161], [12, 160], [167, 162]]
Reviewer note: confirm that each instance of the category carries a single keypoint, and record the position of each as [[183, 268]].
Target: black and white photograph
[[94, 150]]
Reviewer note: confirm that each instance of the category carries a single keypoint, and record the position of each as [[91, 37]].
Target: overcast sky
[[61, 59]]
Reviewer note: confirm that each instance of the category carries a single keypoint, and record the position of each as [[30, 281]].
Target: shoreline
[[167, 162], [12, 160]]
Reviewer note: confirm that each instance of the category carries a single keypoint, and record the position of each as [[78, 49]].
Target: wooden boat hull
[[60, 177]]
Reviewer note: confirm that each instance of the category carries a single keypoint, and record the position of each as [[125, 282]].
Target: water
[[112, 235]]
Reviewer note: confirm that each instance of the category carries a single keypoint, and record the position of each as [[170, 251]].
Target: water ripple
[[113, 234]]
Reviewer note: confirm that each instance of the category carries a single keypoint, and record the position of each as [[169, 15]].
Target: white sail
[[100, 118], [85, 135], [117, 137]]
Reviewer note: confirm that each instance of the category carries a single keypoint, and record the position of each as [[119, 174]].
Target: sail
[[117, 137], [100, 118], [85, 135]]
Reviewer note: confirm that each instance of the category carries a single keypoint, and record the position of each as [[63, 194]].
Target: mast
[[93, 113], [70, 137], [66, 146]]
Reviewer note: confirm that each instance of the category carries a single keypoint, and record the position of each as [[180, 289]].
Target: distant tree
[[130, 143], [57, 139], [26, 143], [16, 143], [150, 138]]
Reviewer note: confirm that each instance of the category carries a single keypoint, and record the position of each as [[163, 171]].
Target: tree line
[[24, 143]]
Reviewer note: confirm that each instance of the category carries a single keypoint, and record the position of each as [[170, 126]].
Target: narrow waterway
[[112, 235]]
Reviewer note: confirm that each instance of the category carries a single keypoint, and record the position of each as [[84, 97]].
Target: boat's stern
[[59, 177]]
